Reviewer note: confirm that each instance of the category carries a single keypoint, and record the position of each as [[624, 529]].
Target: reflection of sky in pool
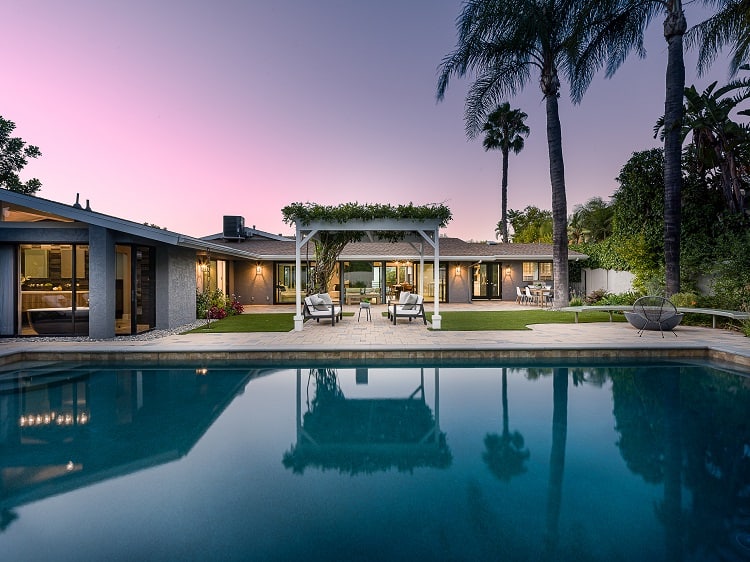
[[644, 462]]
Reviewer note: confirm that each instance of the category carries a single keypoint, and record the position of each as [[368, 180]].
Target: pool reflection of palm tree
[[556, 461], [505, 454]]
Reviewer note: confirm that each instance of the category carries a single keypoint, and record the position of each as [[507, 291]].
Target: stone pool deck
[[379, 340]]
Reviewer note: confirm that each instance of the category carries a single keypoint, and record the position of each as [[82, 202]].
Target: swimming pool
[[507, 461]]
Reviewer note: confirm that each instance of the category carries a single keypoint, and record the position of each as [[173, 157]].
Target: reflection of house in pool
[[366, 435], [65, 428]]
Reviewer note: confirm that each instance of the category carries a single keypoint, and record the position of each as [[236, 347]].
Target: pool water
[[508, 462]]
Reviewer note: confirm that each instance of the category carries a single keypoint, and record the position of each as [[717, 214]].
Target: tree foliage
[[591, 221], [14, 155], [530, 225], [728, 27]]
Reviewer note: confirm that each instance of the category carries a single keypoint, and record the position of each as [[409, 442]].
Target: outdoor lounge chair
[[413, 307], [317, 306], [401, 300], [654, 313]]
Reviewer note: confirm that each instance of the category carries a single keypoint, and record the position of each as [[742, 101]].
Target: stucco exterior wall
[[175, 287], [101, 283], [253, 287], [8, 288], [459, 289]]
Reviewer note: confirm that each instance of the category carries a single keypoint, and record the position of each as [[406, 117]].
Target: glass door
[[135, 290], [486, 281]]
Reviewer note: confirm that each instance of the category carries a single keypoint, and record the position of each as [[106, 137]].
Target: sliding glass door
[[135, 290]]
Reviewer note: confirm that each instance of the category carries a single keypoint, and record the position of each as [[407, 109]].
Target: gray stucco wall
[[101, 283], [251, 287], [8, 288], [175, 287], [458, 285]]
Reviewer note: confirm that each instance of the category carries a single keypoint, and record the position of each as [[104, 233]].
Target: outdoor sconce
[[458, 270], [259, 269], [507, 271]]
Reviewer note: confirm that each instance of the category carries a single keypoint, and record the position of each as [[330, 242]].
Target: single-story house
[[68, 270], [378, 270]]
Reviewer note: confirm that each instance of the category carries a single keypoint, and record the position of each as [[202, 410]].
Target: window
[[537, 271], [545, 271], [54, 301], [530, 270]]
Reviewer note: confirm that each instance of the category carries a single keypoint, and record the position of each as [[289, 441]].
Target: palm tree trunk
[[674, 29], [504, 197], [559, 204]]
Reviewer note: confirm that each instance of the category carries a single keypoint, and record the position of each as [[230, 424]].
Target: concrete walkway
[[379, 339]]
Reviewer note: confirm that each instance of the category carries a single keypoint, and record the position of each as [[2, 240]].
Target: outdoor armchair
[[318, 306], [413, 307]]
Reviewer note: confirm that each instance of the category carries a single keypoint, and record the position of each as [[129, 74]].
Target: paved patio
[[379, 339]]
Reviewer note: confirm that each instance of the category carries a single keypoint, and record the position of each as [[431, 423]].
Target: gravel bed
[[145, 336]]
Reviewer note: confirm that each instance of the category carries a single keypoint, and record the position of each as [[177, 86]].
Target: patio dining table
[[540, 295]]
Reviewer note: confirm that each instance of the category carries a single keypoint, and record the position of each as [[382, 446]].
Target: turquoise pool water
[[497, 462]]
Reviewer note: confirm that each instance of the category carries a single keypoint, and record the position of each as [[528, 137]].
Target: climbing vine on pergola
[[330, 243]]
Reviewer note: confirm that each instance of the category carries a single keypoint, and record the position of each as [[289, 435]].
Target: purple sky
[[177, 113]]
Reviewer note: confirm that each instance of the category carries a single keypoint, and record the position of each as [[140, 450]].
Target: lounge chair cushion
[[411, 302]]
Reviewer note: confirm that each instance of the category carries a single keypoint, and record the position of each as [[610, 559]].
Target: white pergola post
[[436, 318], [298, 318], [301, 238]]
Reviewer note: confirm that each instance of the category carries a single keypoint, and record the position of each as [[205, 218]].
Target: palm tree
[[730, 26], [633, 16], [505, 129], [717, 139], [503, 42], [593, 220]]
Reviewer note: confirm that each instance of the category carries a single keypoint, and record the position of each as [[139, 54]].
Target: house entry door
[[486, 281]]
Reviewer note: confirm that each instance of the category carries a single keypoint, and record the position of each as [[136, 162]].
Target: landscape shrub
[[213, 304]]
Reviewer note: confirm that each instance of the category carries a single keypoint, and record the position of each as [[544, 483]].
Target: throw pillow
[[321, 306], [411, 302], [316, 300], [326, 298]]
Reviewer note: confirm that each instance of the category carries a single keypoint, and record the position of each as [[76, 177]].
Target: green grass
[[281, 322], [271, 322], [460, 321]]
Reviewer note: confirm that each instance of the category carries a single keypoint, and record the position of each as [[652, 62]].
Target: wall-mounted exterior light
[[259, 269]]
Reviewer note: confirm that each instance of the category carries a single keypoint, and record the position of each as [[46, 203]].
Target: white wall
[[608, 279]]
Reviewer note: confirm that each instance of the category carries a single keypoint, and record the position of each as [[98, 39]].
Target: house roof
[[451, 249], [31, 209]]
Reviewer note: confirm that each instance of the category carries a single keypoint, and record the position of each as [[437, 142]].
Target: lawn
[[456, 321], [276, 322], [460, 321], [260, 322]]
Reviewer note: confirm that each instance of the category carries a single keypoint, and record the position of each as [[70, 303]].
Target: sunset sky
[[179, 112]]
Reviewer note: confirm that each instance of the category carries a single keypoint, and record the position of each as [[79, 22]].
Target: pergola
[[415, 231]]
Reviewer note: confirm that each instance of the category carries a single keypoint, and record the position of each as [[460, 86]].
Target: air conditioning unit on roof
[[234, 228]]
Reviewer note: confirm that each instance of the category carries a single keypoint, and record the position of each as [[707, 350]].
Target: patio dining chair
[[520, 297], [530, 298]]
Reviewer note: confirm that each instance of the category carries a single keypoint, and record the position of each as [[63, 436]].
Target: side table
[[366, 307]]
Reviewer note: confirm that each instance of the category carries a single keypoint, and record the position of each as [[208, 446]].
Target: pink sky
[[177, 113]]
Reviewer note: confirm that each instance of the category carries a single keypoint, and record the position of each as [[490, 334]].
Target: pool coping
[[442, 355]]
